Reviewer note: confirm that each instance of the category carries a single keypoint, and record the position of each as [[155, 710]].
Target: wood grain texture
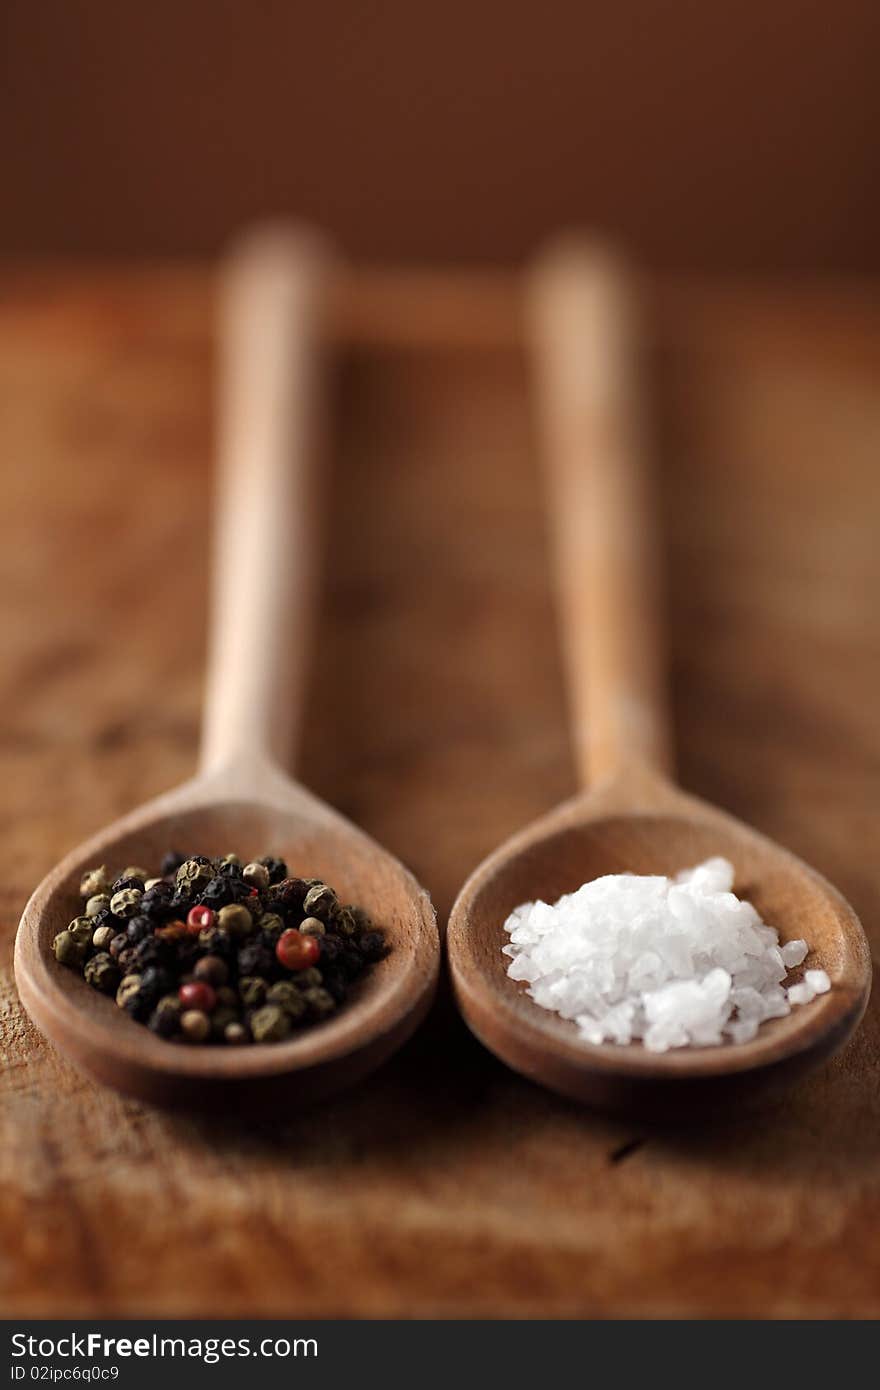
[[446, 1185]]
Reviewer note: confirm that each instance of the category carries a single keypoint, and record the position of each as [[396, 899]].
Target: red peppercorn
[[198, 994], [295, 951], [200, 917]]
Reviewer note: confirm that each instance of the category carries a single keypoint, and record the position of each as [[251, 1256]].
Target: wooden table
[[445, 1185]]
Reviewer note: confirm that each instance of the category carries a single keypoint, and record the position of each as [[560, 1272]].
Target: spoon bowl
[[664, 832], [208, 816]]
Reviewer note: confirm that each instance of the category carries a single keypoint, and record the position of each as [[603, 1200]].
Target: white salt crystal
[[667, 962], [817, 980]]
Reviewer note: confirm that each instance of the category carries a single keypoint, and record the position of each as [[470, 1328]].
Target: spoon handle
[[266, 532], [584, 331]]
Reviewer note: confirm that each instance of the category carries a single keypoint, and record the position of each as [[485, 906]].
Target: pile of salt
[[669, 962]]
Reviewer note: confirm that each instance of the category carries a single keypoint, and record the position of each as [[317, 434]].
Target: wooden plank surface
[[446, 1185]]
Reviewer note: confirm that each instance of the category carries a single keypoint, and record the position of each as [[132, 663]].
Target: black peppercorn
[[165, 1018], [137, 928], [330, 947], [255, 959], [216, 893], [156, 981], [118, 944], [180, 902], [171, 863], [349, 962], [276, 867], [372, 945], [335, 984], [129, 882]]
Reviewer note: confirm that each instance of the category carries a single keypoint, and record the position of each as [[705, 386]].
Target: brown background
[[735, 134]]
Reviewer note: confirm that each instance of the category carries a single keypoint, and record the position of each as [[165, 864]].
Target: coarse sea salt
[[667, 962]]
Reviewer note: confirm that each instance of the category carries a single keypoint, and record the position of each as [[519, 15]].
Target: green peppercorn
[[271, 922], [311, 926], [252, 991], [193, 874], [310, 978], [102, 936], [270, 1024], [68, 950], [231, 859], [321, 902], [134, 872], [128, 988], [96, 903], [95, 881], [257, 875], [288, 997], [236, 919], [212, 970], [152, 883], [81, 929], [102, 973], [320, 1002], [345, 922], [126, 903], [235, 1034], [195, 1025]]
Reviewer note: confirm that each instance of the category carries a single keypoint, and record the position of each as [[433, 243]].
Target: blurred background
[[724, 136]]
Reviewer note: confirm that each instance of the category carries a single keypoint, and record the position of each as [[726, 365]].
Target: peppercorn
[[362, 919], [81, 929], [349, 961], [195, 1025], [235, 1034], [172, 932], [321, 902], [309, 979], [68, 950], [197, 995], [288, 895], [126, 881], [171, 863], [255, 959], [295, 951], [128, 988], [286, 995], [155, 980], [236, 919], [94, 881], [311, 926], [335, 985], [151, 883], [226, 996], [217, 892], [256, 875], [252, 990], [200, 918], [212, 970], [102, 973], [126, 902], [344, 922], [320, 1001], [271, 925], [133, 871], [138, 927], [194, 874], [101, 937], [270, 1024], [372, 945], [228, 861], [330, 947], [165, 1018], [118, 944], [220, 1018], [97, 903], [277, 868]]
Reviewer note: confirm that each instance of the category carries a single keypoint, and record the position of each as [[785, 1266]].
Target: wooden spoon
[[583, 319], [241, 801]]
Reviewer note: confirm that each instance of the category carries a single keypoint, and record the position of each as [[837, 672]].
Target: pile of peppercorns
[[216, 951]]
